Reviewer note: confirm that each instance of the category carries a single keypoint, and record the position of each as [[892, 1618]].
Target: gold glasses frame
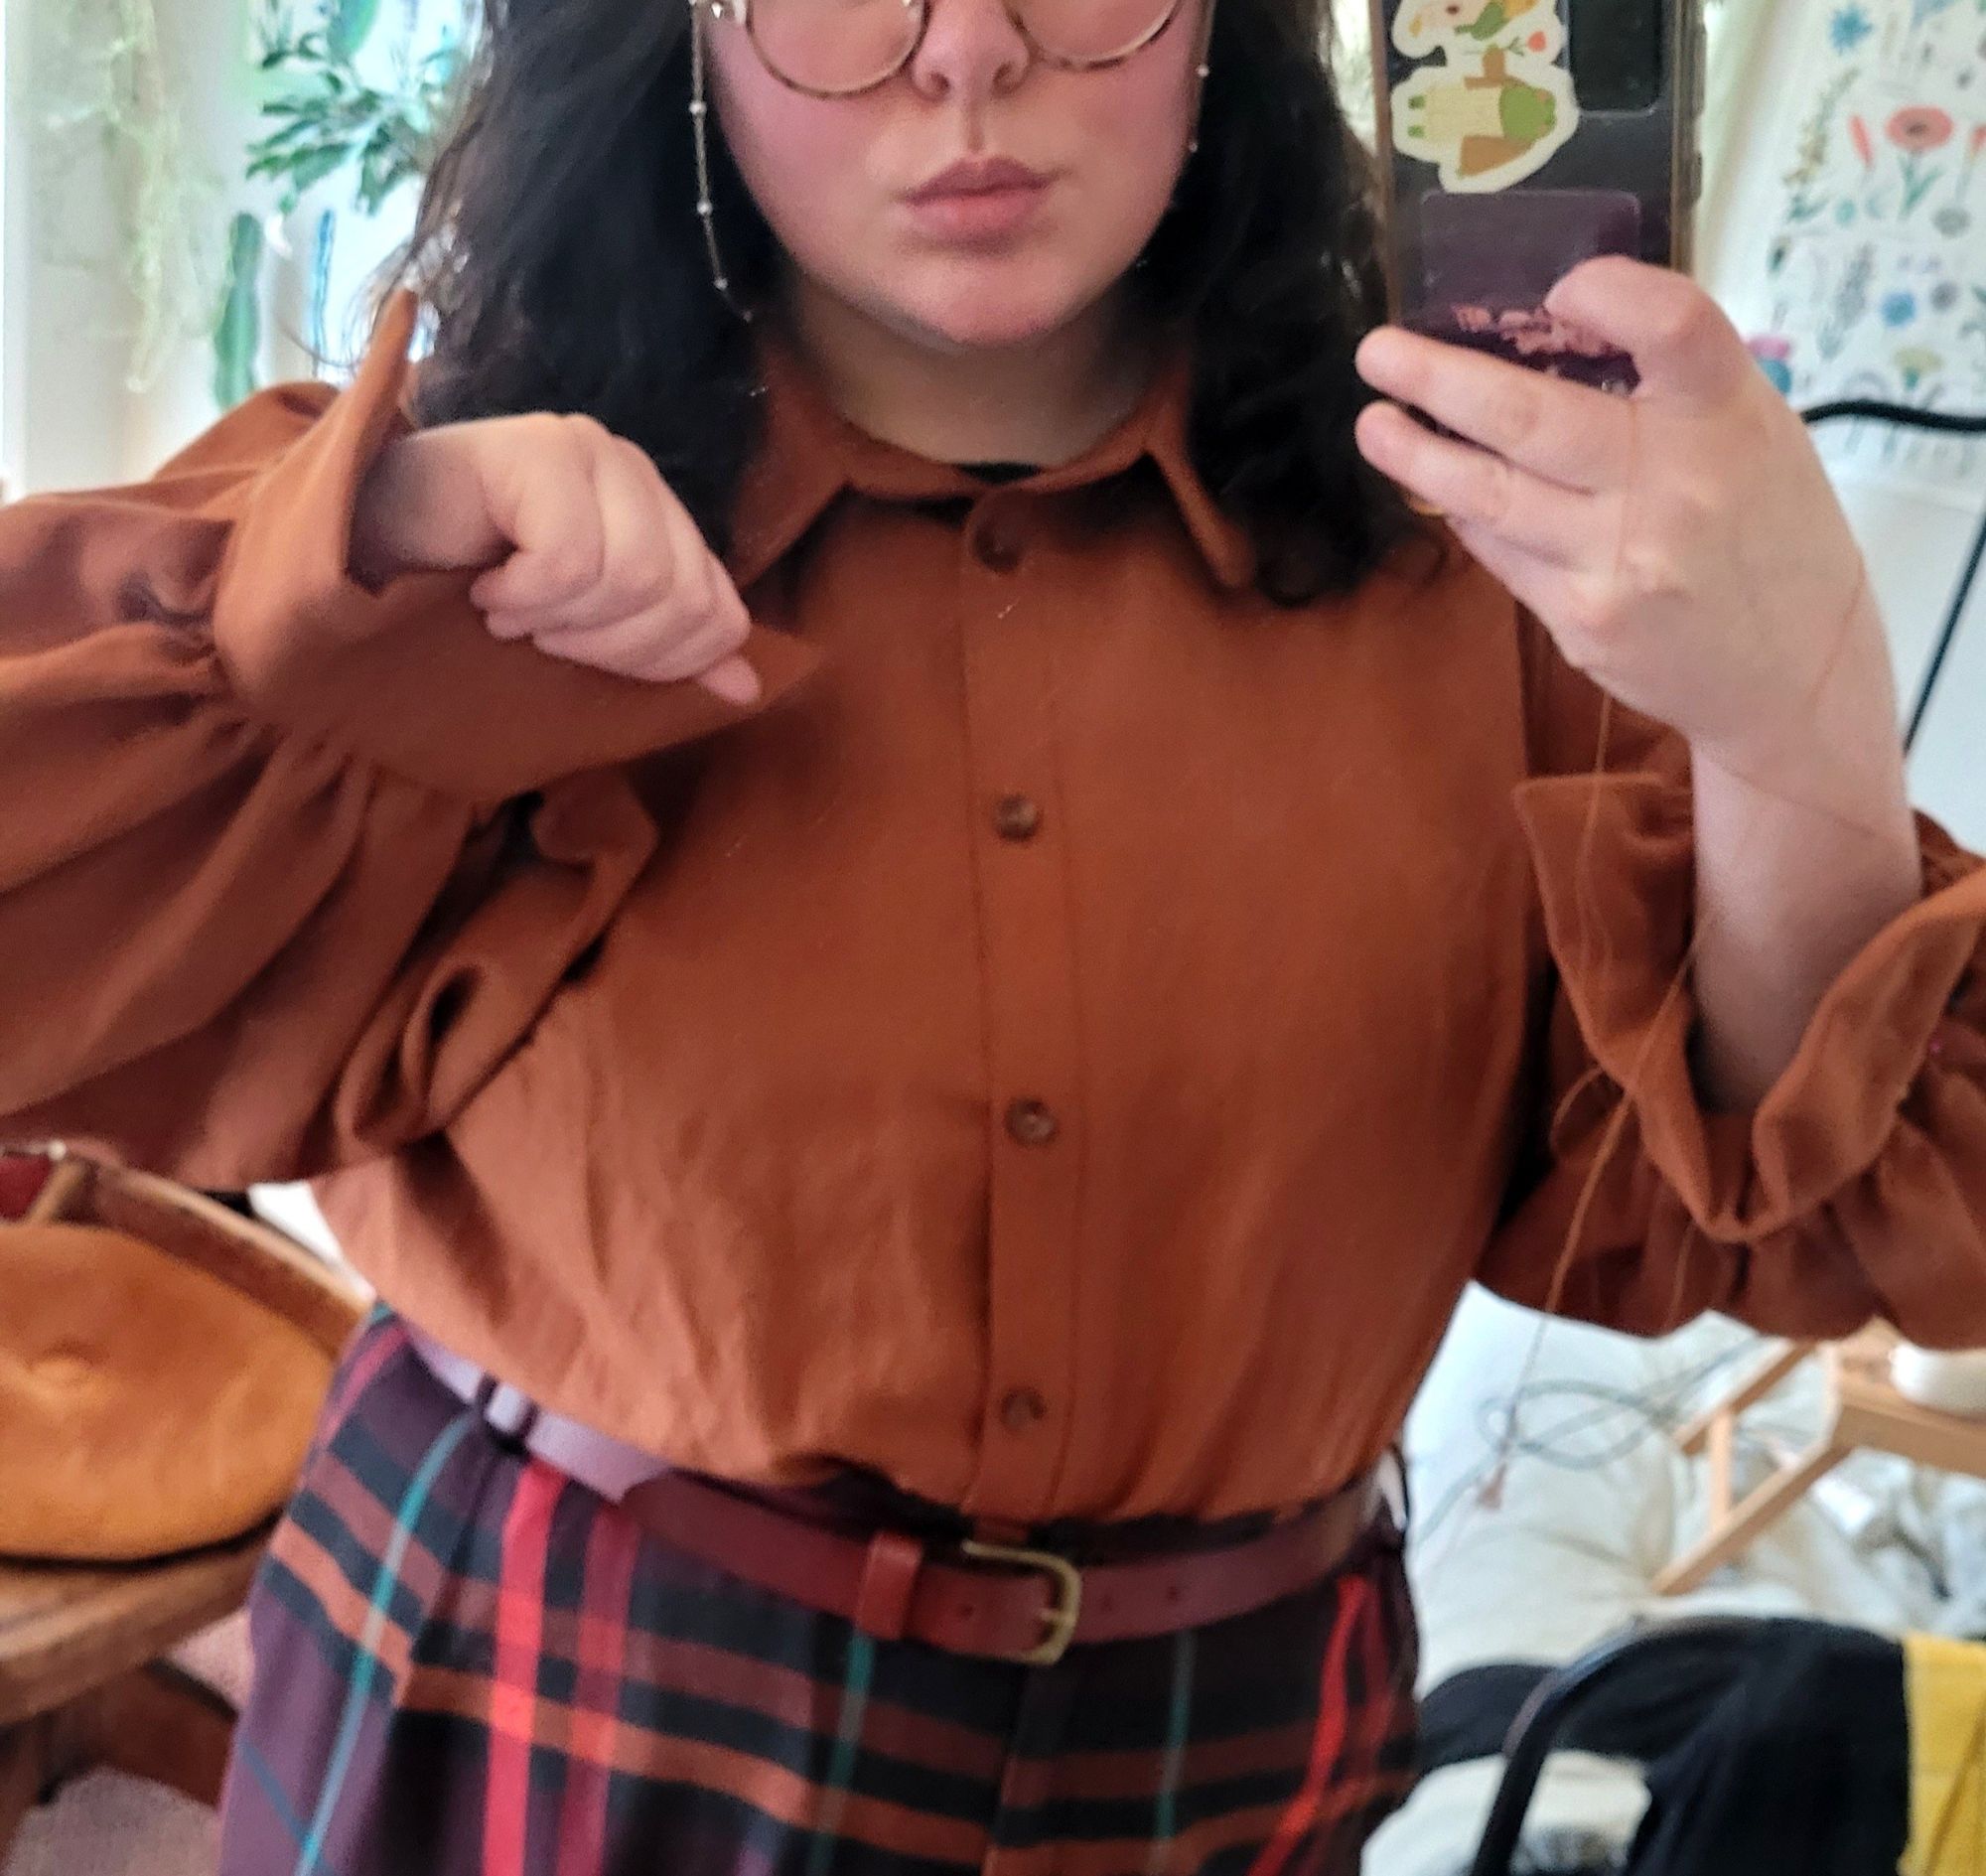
[[739, 13]]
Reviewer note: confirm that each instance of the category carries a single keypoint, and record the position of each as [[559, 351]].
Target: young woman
[[919, 936]]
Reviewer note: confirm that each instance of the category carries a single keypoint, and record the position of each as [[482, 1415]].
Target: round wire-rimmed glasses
[[843, 48]]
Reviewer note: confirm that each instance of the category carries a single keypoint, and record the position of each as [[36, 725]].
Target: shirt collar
[[808, 454]]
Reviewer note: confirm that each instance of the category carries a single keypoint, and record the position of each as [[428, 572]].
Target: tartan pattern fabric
[[468, 1664]]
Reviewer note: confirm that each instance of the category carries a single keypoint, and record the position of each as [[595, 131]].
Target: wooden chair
[[81, 1681], [1864, 1413]]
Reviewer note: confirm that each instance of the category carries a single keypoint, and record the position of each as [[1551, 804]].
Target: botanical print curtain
[[1854, 246]]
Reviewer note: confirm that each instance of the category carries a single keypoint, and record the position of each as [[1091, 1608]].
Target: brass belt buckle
[[1059, 1620]]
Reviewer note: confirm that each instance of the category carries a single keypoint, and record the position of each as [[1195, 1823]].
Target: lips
[[985, 204], [985, 176]]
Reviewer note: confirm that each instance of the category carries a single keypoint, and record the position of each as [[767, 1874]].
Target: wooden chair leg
[[156, 1722], [21, 1776], [1729, 1538], [1721, 1446]]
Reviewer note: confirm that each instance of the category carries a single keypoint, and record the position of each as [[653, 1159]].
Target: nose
[[972, 49]]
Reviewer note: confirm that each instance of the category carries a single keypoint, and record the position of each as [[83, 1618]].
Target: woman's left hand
[[1682, 545]]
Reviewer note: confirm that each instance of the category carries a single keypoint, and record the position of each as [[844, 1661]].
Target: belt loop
[[1396, 1488], [512, 1438], [889, 1578]]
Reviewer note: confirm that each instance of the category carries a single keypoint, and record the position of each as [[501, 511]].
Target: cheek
[[801, 156], [1136, 122]]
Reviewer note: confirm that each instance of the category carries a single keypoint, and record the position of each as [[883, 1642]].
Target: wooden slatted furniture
[[82, 1680], [1865, 1412]]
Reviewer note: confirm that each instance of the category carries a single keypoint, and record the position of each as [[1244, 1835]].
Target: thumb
[[733, 680], [1676, 334]]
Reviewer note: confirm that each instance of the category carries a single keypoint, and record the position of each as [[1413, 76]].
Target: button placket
[[1007, 630]]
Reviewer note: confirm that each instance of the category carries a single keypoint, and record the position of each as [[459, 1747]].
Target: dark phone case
[[1473, 245]]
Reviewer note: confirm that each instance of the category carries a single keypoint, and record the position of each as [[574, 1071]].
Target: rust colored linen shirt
[[1066, 1048]]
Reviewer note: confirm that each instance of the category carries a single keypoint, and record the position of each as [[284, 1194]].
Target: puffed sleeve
[[1854, 1189], [290, 865]]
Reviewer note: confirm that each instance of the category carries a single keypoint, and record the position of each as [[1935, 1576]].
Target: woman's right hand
[[587, 551]]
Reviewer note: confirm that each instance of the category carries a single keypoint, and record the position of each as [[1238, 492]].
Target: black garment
[[1001, 472], [1803, 1765], [1777, 1749]]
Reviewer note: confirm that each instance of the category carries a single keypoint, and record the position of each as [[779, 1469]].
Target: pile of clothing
[[1768, 1747]]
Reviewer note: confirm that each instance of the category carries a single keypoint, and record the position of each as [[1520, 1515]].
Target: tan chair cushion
[[146, 1408]]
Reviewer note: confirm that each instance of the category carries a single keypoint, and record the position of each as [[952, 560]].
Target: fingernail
[[734, 685]]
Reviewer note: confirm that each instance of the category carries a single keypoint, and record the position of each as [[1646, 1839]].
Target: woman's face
[[843, 182]]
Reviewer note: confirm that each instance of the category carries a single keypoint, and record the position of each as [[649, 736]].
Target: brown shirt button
[[1017, 816], [1032, 1122], [1023, 1409], [998, 542]]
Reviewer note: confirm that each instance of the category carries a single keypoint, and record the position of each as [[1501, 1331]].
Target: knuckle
[[581, 431], [545, 433], [574, 565], [1687, 323], [1521, 414], [1494, 493], [638, 579], [635, 457], [1588, 617], [1648, 574]]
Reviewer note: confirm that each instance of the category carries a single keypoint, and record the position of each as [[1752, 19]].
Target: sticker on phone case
[[1497, 106]]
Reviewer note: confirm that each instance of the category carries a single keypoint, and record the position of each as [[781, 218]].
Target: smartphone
[[1518, 138]]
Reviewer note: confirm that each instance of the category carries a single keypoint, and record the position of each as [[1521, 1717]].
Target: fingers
[[540, 494], [732, 680], [1676, 334], [1564, 432], [610, 571], [1473, 487], [1544, 588]]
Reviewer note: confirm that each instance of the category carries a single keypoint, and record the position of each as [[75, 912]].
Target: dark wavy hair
[[559, 250]]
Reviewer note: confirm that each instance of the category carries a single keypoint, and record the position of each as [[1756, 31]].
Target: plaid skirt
[[468, 1664]]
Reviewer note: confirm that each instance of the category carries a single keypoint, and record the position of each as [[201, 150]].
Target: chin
[[988, 307]]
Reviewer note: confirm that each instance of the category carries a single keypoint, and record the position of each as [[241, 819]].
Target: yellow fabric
[[1946, 1688]]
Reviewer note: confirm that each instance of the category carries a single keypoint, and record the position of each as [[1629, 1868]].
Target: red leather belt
[[1001, 1600], [1004, 1601]]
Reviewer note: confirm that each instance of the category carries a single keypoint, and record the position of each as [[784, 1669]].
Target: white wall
[[67, 315]]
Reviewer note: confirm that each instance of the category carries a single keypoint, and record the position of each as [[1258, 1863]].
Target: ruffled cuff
[[408, 676], [1617, 880]]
